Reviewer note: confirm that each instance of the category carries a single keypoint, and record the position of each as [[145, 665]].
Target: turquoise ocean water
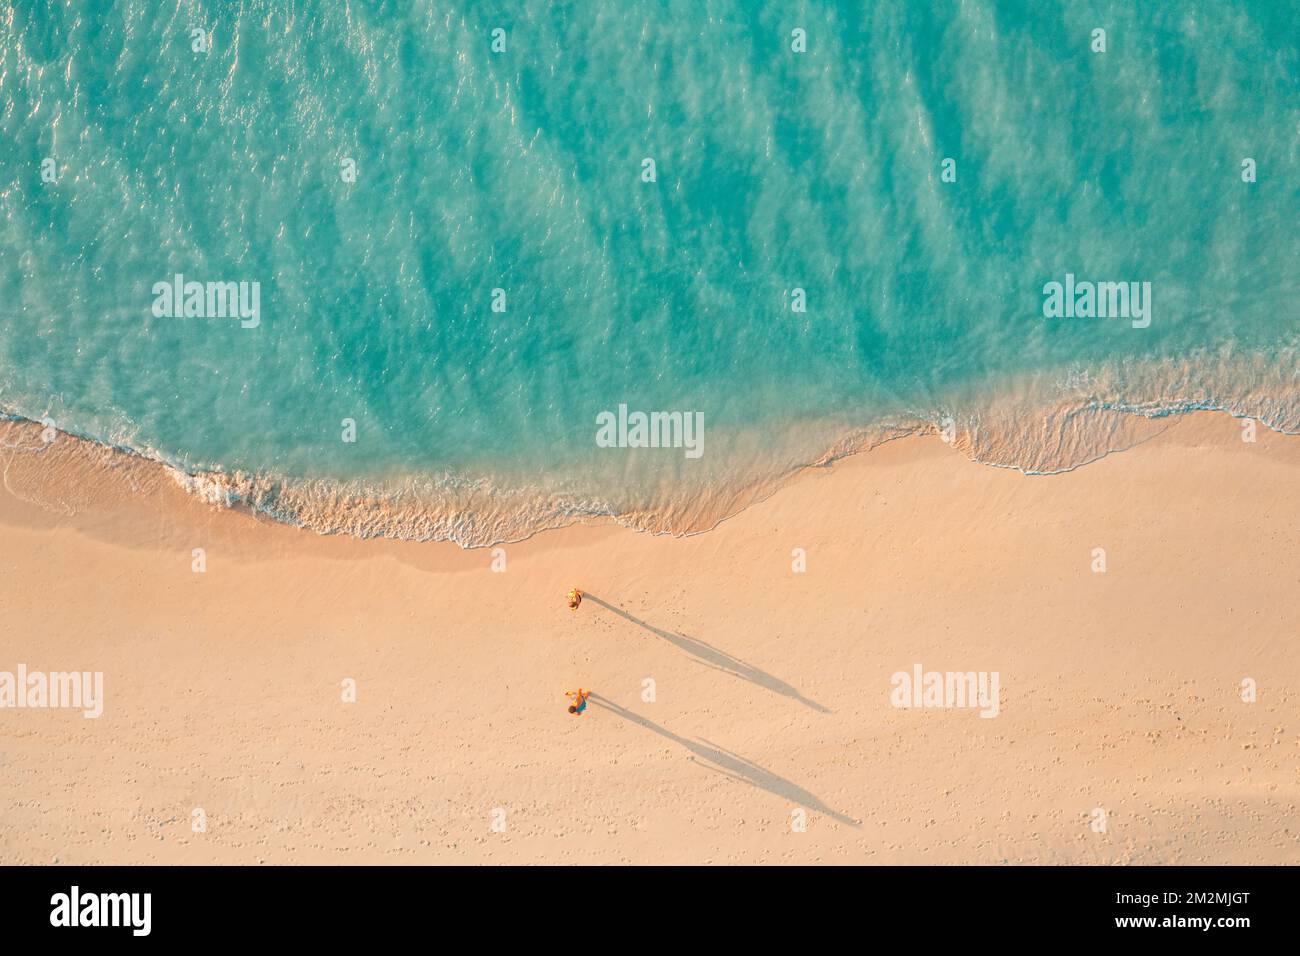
[[522, 170]]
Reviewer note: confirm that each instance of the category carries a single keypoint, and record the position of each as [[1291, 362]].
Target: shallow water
[[523, 171]]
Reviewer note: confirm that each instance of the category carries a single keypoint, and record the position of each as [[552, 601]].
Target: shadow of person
[[731, 764], [710, 656]]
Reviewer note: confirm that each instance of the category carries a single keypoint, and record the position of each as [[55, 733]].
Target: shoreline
[[1119, 691], [429, 509]]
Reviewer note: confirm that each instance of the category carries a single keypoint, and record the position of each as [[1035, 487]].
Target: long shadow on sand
[[711, 656], [731, 765]]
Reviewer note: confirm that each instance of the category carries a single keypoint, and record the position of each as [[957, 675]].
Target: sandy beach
[[741, 709]]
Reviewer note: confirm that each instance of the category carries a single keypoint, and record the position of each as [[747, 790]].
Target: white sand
[[1119, 691]]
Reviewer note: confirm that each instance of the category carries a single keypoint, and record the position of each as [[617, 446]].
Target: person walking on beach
[[575, 598], [579, 699]]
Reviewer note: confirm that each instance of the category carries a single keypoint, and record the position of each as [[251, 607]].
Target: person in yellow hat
[[579, 698], [575, 598]]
